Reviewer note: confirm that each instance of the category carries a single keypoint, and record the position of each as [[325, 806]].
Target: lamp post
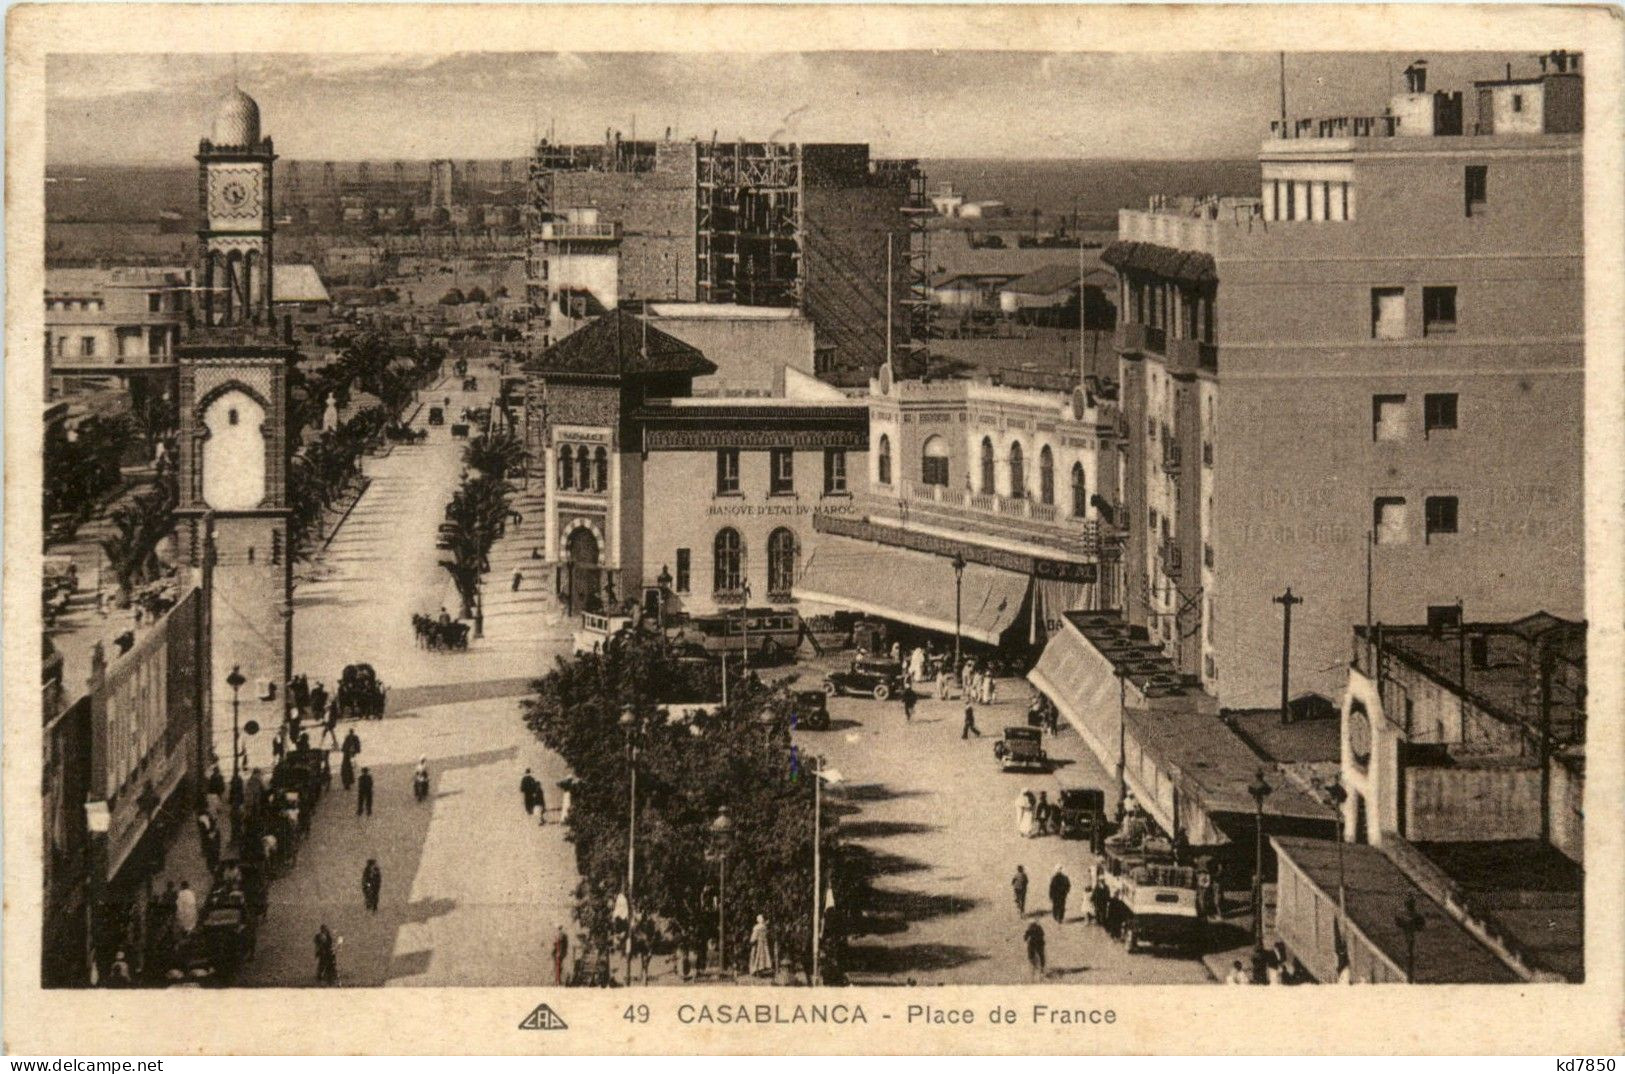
[[959, 588], [1339, 796], [632, 726], [98, 822], [821, 773], [236, 681], [1410, 923], [744, 635], [722, 830], [1260, 790]]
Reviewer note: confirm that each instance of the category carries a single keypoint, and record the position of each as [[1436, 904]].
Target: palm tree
[[131, 549], [496, 453]]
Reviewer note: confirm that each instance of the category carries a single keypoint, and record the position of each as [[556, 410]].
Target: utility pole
[[1286, 601], [1283, 94]]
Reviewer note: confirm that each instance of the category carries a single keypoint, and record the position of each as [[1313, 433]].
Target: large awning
[[913, 587]]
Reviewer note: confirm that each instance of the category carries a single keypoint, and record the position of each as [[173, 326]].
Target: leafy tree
[[477, 513], [739, 756], [477, 294], [132, 548], [453, 297]]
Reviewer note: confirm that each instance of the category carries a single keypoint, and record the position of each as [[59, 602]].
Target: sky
[[152, 108]]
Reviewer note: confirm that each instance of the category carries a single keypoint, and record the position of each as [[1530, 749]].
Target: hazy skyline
[[153, 108]]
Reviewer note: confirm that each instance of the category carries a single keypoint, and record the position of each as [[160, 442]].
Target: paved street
[[937, 821], [472, 887]]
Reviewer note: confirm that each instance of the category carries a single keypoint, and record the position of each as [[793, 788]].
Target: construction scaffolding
[[748, 223], [917, 304]]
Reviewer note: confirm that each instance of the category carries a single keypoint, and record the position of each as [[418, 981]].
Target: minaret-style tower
[[234, 451]]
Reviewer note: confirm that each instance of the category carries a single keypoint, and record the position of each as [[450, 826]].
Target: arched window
[[1046, 475], [583, 469], [600, 466], [781, 563], [989, 484], [883, 460], [726, 556], [934, 462], [567, 473], [1080, 495], [1018, 473]]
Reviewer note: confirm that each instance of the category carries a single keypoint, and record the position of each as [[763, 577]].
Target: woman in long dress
[[1024, 815], [761, 953]]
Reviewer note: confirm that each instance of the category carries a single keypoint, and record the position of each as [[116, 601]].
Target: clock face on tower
[[235, 196]]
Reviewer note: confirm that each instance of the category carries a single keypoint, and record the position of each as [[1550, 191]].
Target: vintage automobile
[[771, 635], [1082, 813], [360, 693], [809, 710], [437, 415], [596, 631], [1021, 749], [867, 677], [1150, 899]]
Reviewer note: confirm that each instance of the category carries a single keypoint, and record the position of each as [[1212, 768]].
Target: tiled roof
[[620, 343], [1046, 280]]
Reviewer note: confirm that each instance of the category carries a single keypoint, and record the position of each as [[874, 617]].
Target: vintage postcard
[[813, 529]]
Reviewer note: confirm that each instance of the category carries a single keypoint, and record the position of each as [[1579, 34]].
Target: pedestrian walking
[[347, 773], [564, 805], [1060, 886], [561, 949], [216, 787], [330, 724], [909, 700], [1238, 974], [186, 908], [352, 744], [1043, 813], [942, 683], [541, 804], [372, 882], [420, 780], [518, 580], [970, 723], [1024, 814], [990, 689], [529, 790], [1034, 936], [1018, 888], [318, 702], [327, 961], [363, 792]]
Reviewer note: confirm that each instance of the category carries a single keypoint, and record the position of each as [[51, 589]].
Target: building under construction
[[816, 227]]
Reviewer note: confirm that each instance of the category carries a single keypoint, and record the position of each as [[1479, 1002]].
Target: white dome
[[236, 120]]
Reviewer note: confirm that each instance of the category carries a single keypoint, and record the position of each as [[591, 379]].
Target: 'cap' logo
[[542, 1018]]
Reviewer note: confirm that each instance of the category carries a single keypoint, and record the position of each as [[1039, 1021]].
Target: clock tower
[[232, 512]]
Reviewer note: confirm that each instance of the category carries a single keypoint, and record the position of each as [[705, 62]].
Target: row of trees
[[326, 470], [740, 756]]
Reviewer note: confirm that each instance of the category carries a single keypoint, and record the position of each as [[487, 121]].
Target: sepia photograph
[[810, 519]]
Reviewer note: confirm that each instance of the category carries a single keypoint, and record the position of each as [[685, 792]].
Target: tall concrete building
[[1380, 356], [747, 223]]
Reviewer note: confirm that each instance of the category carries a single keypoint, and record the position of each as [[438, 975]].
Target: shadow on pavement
[[861, 959]]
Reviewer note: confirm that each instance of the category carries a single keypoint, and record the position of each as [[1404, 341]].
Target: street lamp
[[1410, 923], [959, 587], [744, 634], [820, 775], [630, 724], [722, 830], [1260, 790], [236, 681]]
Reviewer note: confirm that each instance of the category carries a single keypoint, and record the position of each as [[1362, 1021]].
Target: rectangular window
[[1441, 515], [1476, 184], [155, 302], [683, 563], [1442, 617], [1387, 313], [276, 547], [1438, 412], [1291, 200], [1438, 310], [1388, 520], [834, 471], [1390, 417], [728, 472], [1151, 429], [1517, 102], [1153, 516], [783, 480], [87, 346]]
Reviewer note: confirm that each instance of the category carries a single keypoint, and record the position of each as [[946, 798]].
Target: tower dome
[[236, 120]]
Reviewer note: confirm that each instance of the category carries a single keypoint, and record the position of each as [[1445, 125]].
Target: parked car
[[809, 710], [867, 677], [1021, 749]]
